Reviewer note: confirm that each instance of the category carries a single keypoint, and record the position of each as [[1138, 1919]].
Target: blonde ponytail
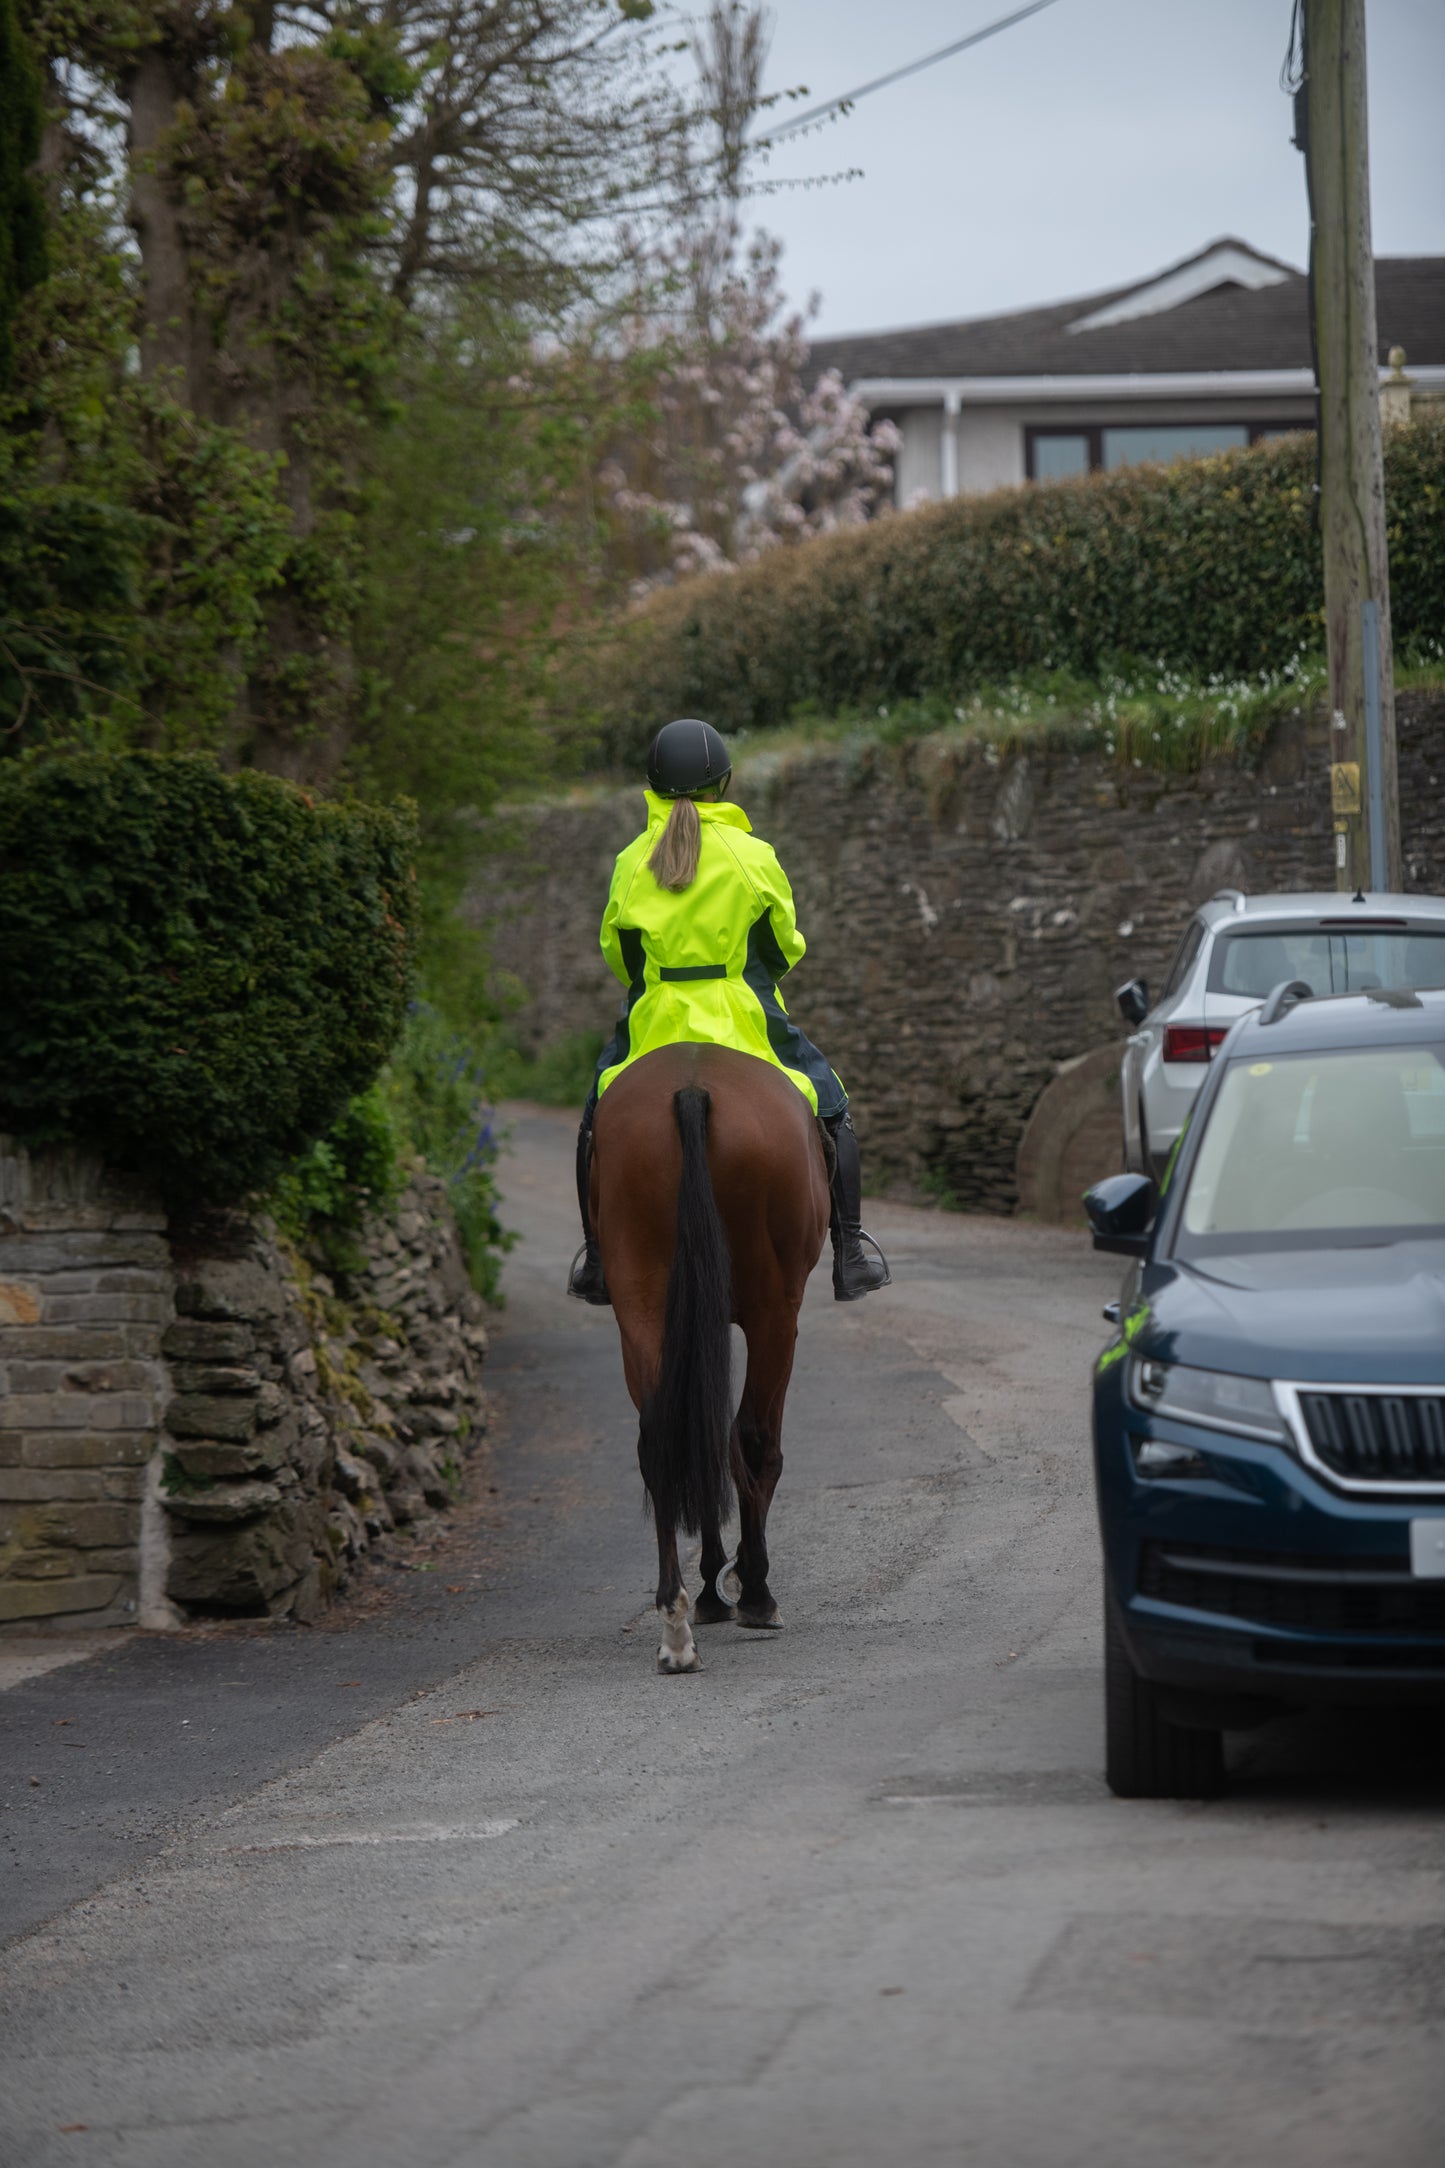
[[675, 853]]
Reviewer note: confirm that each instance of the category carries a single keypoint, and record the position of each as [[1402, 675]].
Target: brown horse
[[710, 1201]]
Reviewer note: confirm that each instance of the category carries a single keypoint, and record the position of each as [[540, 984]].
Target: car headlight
[[1212, 1397]]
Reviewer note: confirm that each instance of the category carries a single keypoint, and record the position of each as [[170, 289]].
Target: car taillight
[[1192, 1042]]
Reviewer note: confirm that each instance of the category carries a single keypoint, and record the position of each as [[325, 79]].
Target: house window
[[1168, 441], [1052, 452], [1055, 453]]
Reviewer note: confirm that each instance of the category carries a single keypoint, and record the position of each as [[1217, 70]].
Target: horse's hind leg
[[641, 1359], [677, 1650], [760, 1436], [710, 1608], [764, 1458]]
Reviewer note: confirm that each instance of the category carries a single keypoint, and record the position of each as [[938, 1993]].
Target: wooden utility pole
[[1365, 794]]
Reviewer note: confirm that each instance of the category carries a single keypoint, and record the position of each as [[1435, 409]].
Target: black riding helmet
[[687, 756]]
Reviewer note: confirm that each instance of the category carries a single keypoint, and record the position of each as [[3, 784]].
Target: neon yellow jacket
[[701, 964]]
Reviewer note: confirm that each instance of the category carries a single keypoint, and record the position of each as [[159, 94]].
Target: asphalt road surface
[[467, 1885]]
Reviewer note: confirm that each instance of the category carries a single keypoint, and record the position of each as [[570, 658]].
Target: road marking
[[303, 1841]]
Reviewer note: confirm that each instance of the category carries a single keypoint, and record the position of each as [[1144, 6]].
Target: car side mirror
[[1121, 1213], [1133, 1000]]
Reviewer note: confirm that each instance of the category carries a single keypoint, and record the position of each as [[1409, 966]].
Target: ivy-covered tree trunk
[[163, 79], [254, 188]]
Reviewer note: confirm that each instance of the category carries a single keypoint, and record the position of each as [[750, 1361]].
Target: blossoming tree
[[738, 448]]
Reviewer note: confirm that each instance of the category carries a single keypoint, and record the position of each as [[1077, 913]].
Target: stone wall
[[194, 1420], [85, 1297], [968, 914]]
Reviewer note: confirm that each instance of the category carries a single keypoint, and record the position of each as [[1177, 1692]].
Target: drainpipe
[[950, 443]]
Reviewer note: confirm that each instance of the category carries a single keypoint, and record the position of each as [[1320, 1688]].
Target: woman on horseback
[[699, 927]]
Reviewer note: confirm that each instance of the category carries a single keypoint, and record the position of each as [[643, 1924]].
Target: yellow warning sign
[[1345, 786]]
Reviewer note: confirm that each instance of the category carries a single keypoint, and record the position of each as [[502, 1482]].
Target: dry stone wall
[[968, 912], [194, 1420]]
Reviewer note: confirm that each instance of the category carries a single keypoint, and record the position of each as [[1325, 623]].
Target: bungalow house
[[1213, 352]]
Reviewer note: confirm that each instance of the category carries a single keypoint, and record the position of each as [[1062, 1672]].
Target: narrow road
[[470, 1886]]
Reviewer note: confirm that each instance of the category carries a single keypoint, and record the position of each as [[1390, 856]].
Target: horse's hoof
[[707, 1611], [769, 1618], [677, 1651]]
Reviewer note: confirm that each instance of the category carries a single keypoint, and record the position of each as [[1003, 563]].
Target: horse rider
[[699, 927]]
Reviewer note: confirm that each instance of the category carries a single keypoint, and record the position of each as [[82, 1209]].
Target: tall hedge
[[196, 970], [1209, 565]]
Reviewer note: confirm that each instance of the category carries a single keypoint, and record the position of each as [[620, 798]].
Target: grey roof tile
[[1229, 328]]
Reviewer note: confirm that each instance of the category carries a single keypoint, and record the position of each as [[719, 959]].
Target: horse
[[709, 1195]]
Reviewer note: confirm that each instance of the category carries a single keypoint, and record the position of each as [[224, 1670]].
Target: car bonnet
[[1345, 1316]]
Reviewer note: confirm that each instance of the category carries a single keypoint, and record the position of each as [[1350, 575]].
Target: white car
[[1235, 950]]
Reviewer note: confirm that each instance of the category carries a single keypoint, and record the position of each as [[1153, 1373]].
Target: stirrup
[[582, 1287], [872, 1267]]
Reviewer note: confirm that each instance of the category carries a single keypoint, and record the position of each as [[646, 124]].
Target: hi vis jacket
[[701, 964]]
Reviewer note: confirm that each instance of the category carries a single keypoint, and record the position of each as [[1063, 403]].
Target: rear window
[[1254, 963], [1184, 957]]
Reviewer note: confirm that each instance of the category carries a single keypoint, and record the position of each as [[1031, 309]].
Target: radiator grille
[[1378, 1437], [1308, 1595]]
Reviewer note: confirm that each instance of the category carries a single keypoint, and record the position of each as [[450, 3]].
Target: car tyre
[[1145, 1756]]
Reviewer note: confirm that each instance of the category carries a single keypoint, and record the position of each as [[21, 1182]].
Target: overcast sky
[[1086, 147]]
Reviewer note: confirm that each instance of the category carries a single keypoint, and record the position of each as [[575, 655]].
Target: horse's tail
[[687, 1422]]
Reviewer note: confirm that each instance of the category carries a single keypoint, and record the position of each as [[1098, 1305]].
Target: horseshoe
[[730, 1566]]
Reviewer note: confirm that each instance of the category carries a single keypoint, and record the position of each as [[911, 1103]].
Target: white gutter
[[953, 392]]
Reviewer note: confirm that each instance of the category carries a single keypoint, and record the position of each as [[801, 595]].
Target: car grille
[[1295, 1590], [1378, 1437]]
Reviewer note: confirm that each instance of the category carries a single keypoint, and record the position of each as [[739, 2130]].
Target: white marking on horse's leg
[[678, 1651]]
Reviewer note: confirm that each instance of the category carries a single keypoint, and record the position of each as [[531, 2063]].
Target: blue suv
[[1269, 1419]]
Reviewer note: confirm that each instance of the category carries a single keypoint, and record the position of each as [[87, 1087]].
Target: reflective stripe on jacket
[[702, 963]]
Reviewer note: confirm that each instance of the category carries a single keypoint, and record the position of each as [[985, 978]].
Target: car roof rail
[[1286, 996], [1229, 895]]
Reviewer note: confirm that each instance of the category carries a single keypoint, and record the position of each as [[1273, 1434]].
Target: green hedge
[[196, 970], [1210, 566]]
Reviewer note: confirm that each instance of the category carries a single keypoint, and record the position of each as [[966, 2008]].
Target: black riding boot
[[586, 1280], [855, 1272]]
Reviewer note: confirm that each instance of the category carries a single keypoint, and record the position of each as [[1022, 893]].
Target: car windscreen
[[1314, 1151], [1329, 961]]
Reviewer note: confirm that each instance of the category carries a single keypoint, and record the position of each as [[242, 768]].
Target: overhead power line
[[850, 97]]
